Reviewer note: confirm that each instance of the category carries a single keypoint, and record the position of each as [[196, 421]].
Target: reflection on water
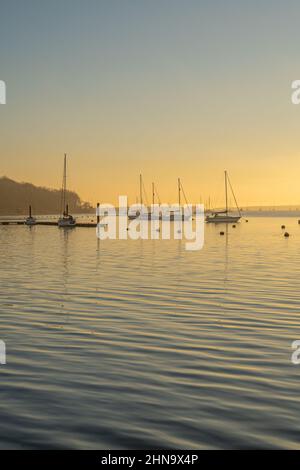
[[141, 344]]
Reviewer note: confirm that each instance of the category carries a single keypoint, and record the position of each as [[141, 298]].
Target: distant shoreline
[[245, 214], [270, 213]]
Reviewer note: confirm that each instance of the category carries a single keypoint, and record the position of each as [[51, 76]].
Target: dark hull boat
[[30, 220], [218, 217], [66, 220]]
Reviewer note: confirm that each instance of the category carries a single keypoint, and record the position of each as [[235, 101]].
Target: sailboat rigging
[[223, 215], [150, 214], [141, 212], [178, 214], [66, 220]]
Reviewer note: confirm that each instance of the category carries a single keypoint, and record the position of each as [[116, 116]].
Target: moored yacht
[[139, 210], [223, 216], [30, 220], [178, 213], [66, 220]]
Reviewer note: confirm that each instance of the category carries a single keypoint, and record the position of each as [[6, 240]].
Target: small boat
[[152, 214], [66, 220], [221, 216], [30, 220], [178, 214], [224, 216], [142, 212]]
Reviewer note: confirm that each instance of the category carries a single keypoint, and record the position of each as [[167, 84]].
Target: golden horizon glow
[[186, 92]]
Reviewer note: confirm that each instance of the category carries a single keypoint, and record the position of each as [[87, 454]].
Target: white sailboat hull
[[225, 219], [160, 216]]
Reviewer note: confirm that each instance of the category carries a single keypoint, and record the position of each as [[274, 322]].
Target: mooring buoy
[[282, 226], [221, 233], [286, 234]]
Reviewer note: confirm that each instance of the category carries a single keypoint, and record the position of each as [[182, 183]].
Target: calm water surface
[[141, 344]]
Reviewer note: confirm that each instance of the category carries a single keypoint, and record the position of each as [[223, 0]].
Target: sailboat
[[154, 215], [30, 220], [66, 220], [178, 214], [223, 216], [142, 213]]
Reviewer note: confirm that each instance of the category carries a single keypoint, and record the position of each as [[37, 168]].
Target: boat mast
[[237, 206], [179, 188], [153, 194], [65, 185], [226, 197], [141, 190]]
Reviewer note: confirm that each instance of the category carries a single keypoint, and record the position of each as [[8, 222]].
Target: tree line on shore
[[16, 197]]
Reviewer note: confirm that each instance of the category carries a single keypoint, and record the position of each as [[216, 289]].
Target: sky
[[166, 88]]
